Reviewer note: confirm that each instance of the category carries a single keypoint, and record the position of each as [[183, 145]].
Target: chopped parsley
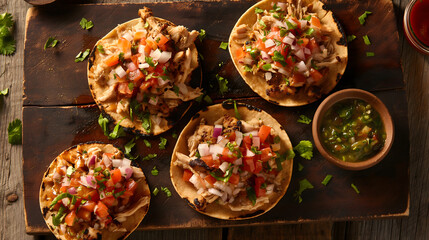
[[202, 34], [85, 24], [4, 92], [370, 54], [166, 190], [7, 42], [118, 131], [223, 84], [154, 171], [304, 119], [81, 56], [305, 149], [363, 17], [303, 185], [100, 48], [366, 40], [102, 121], [327, 179], [147, 143], [50, 43], [14, 131], [162, 143], [251, 195], [351, 38], [150, 156], [355, 188], [223, 45], [258, 10], [155, 191]]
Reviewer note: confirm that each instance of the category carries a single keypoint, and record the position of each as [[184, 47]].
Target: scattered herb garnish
[[262, 24], [174, 134], [85, 24], [300, 167], [278, 57], [247, 68], [308, 18], [4, 92], [146, 123], [50, 43], [304, 119], [309, 31], [147, 143], [60, 197], [202, 34], [370, 54], [81, 56], [303, 185], [223, 84], [14, 131], [363, 17], [102, 121], [118, 131], [149, 61], [258, 10], [150, 156], [155, 191], [223, 45], [351, 38], [237, 114], [166, 190], [176, 90], [162, 143], [128, 147], [305, 149], [100, 48], [290, 25], [7, 42], [255, 150], [154, 171], [327, 179], [266, 67], [251, 195], [355, 188], [208, 99], [366, 40]]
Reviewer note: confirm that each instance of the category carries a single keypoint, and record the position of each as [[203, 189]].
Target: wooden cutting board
[[59, 111]]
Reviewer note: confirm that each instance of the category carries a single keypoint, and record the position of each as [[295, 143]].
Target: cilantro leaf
[[155, 191], [327, 179], [251, 195], [166, 190], [150, 156], [304, 119], [278, 57], [100, 48], [223, 84], [50, 43], [258, 10], [128, 147], [303, 185], [4, 92], [7, 42], [162, 143], [81, 56], [149, 61], [355, 188], [6, 20], [363, 17], [366, 40], [7, 45], [351, 38], [202, 34], [176, 90], [266, 67], [118, 131], [15, 132], [146, 122], [370, 54], [174, 134], [223, 45], [147, 143], [300, 167], [305, 149], [154, 171], [102, 121], [208, 99], [85, 24]]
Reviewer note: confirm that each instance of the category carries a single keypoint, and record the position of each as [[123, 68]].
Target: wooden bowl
[[377, 104]]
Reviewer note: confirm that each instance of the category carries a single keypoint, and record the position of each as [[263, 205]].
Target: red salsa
[[420, 21]]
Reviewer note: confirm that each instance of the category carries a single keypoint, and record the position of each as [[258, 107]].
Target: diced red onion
[[300, 54], [126, 172], [217, 131], [131, 66], [216, 149], [224, 166], [153, 100], [203, 149], [144, 65], [238, 137], [120, 71], [256, 142], [236, 167], [288, 40], [222, 141], [116, 163], [269, 43], [106, 160], [165, 56], [214, 191], [301, 66], [128, 36], [295, 47], [72, 190], [249, 153], [91, 161], [88, 181], [268, 76], [265, 55], [155, 55], [238, 161], [307, 51]]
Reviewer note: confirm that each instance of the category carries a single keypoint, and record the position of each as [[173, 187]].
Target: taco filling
[[288, 48], [94, 192], [143, 69], [233, 163]]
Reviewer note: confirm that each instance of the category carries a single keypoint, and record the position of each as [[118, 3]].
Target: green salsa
[[352, 130]]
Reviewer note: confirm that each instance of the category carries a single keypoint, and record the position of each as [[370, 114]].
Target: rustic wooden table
[[416, 226]]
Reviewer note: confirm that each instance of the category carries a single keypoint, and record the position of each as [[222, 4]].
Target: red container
[[416, 24]]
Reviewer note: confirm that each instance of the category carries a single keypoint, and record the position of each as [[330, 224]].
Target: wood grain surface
[[416, 76]]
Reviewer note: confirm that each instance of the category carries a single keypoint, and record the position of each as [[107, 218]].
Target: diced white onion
[[120, 71], [301, 67], [215, 192], [224, 166], [165, 56], [253, 133], [288, 40], [283, 71], [65, 201], [106, 160], [144, 65], [249, 153], [238, 161], [127, 55], [156, 119], [281, 5], [153, 100], [256, 142], [131, 66], [307, 51], [247, 61], [290, 35], [201, 190], [222, 141], [235, 169], [269, 43], [268, 76], [155, 55], [203, 149], [300, 54], [270, 187], [116, 162], [196, 180], [128, 36], [231, 200], [141, 49], [303, 23], [56, 176], [238, 137], [126, 162], [236, 191]]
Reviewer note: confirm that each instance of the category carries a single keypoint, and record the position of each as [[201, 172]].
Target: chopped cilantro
[[166, 190], [258, 10], [118, 131], [208, 99], [223, 84], [276, 8], [355, 188], [100, 48], [303, 185], [97, 169], [7, 42], [251, 195], [366, 40], [237, 114], [128, 147], [121, 56], [278, 57], [14, 131], [174, 134], [102, 121], [155, 191], [81, 56], [304, 119], [149, 61], [300, 167], [370, 54], [176, 90], [247, 68], [131, 86], [150, 156], [309, 31], [118, 194], [162, 143], [146, 122], [351, 38], [147, 143], [290, 25], [202, 34], [4, 92], [154, 171], [223, 45], [266, 67], [327, 179], [305, 149], [300, 41], [50, 43], [255, 150], [277, 139], [308, 18], [363, 17], [262, 24], [283, 32], [201, 56], [85, 24]]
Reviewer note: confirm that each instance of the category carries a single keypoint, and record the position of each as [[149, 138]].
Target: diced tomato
[[258, 190], [63, 189], [304, 43], [147, 49], [264, 132], [116, 175], [84, 214], [247, 141], [60, 171], [249, 165], [243, 151], [289, 61], [125, 90], [109, 201], [162, 41], [259, 181], [258, 166], [89, 206], [316, 22], [187, 174], [274, 34], [227, 156], [93, 196], [240, 53], [149, 83], [234, 179], [232, 136], [266, 154], [261, 46], [313, 46], [109, 155], [109, 183], [126, 194], [74, 182], [273, 172], [112, 60], [131, 185], [124, 45], [297, 22], [70, 218], [210, 179], [208, 160], [101, 210], [297, 79], [316, 75], [152, 44]]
